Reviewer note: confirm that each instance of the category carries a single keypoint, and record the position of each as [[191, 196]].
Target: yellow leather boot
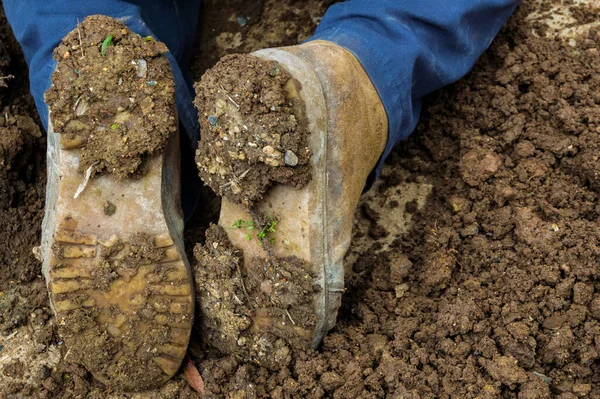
[[112, 246], [310, 226]]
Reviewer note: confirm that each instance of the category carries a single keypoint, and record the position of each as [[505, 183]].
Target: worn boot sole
[[314, 224], [303, 235], [114, 259]]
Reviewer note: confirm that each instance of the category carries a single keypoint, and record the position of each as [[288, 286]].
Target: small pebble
[[291, 159], [272, 162], [151, 83], [275, 71], [109, 208], [235, 188], [142, 68], [241, 20], [220, 107], [212, 120], [268, 150]]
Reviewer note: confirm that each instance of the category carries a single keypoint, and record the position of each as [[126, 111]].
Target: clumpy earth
[[113, 96], [22, 180], [254, 129], [253, 310], [473, 271]]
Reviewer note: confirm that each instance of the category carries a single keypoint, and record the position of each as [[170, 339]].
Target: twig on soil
[[238, 300], [243, 285], [237, 179], [240, 177], [11, 336], [229, 97], [80, 41], [4, 78], [290, 317], [86, 179], [77, 102]]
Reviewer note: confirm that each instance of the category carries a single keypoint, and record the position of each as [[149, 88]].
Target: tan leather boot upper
[[348, 133]]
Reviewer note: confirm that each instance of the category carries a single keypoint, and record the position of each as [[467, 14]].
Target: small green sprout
[[241, 224], [149, 39], [265, 231], [114, 126], [106, 43]]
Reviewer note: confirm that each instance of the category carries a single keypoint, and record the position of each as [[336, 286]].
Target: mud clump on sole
[[254, 129], [255, 310], [113, 96], [124, 307]]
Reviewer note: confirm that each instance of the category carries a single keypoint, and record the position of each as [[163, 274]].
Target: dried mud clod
[[113, 96], [254, 130], [18, 135], [256, 310]]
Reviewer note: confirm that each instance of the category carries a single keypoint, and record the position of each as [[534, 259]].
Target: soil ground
[[474, 266]]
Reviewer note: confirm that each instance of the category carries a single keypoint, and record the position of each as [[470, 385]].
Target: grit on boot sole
[[348, 132], [113, 256]]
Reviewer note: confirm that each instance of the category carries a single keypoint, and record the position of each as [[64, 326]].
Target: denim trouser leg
[[411, 48], [408, 48], [39, 26]]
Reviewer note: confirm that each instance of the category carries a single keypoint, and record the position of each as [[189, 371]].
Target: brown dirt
[[254, 129], [491, 292], [115, 102], [496, 294], [275, 294], [22, 182]]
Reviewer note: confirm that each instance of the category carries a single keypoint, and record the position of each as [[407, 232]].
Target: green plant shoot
[[107, 42]]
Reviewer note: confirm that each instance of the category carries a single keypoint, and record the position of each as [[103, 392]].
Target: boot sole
[[114, 260], [304, 236]]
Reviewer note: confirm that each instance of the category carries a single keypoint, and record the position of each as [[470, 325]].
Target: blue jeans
[[408, 48], [40, 25]]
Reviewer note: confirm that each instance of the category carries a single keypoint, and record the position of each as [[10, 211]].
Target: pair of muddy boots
[[289, 137]]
